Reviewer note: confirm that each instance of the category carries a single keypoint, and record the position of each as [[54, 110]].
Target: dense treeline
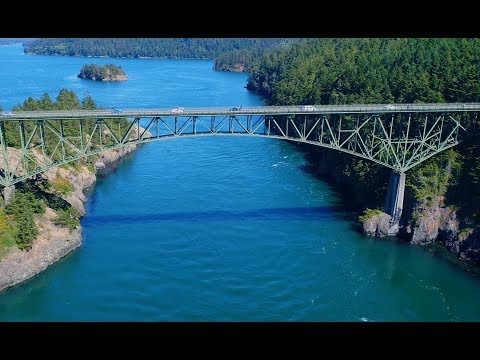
[[245, 59], [101, 72], [17, 225], [171, 48], [65, 100], [237, 60], [342, 71]]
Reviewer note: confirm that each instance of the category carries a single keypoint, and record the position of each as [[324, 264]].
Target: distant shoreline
[[110, 57]]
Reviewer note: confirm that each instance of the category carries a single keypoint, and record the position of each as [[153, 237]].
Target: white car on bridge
[[177, 110]]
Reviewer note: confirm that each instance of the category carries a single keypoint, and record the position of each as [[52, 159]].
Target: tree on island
[[108, 72]]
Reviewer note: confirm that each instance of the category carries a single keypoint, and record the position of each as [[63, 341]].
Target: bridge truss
[[396, 138]]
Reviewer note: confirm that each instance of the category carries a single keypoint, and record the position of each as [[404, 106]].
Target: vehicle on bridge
[[236, 108], [390, 107], [6, 114], [308, 108], [116, 111], [178, 110]]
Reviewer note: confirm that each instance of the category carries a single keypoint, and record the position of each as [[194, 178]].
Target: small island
[[108, 72]]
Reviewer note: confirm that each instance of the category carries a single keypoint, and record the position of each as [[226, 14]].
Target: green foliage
[[8, 232], [432, 178], [30, 199], [75, 165], [369, 214], [88, 103], [23, 207], [65, 100], [61, 185], [25, 201], [340, 71], [173, 48], [467, 192], [42, 191], [97, 72], [247, 59], [462, 234], [369, 186], [416, 215], [69, 217], [90, 163], [238, 60]]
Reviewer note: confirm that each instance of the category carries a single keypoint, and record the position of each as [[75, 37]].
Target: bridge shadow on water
[[285, 214]]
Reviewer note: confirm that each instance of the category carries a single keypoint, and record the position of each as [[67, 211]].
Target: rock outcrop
[[448, 229], [54, 242], [377, 225], [433, 221], [109, 160], [467, 246]]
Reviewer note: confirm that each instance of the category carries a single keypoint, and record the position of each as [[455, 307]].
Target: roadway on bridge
[[257, 110]]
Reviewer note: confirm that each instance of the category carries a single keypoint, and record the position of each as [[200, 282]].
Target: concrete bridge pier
[[394, 200], [8, 195]]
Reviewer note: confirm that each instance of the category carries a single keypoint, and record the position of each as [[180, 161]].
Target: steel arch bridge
[[398, 136]]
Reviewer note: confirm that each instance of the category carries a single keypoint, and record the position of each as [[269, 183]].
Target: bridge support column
[[8, 195], [394, 200]]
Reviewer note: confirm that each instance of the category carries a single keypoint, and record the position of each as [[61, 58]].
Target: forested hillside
[[344, 71], [245, 59], [171, 48]]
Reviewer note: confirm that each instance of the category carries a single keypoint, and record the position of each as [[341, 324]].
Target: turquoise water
[[217, 229]]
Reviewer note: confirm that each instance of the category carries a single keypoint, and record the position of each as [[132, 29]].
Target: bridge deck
[[255, 110]]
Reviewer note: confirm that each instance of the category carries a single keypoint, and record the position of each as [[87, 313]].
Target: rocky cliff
[[54, 242], [426, 222], [431, 222]]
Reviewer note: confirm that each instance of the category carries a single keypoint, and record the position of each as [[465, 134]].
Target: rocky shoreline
[[425, 224], [54, 242], [435, 222], [110, 78]]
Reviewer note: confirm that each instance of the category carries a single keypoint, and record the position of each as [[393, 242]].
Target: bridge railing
[[251, 110]]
